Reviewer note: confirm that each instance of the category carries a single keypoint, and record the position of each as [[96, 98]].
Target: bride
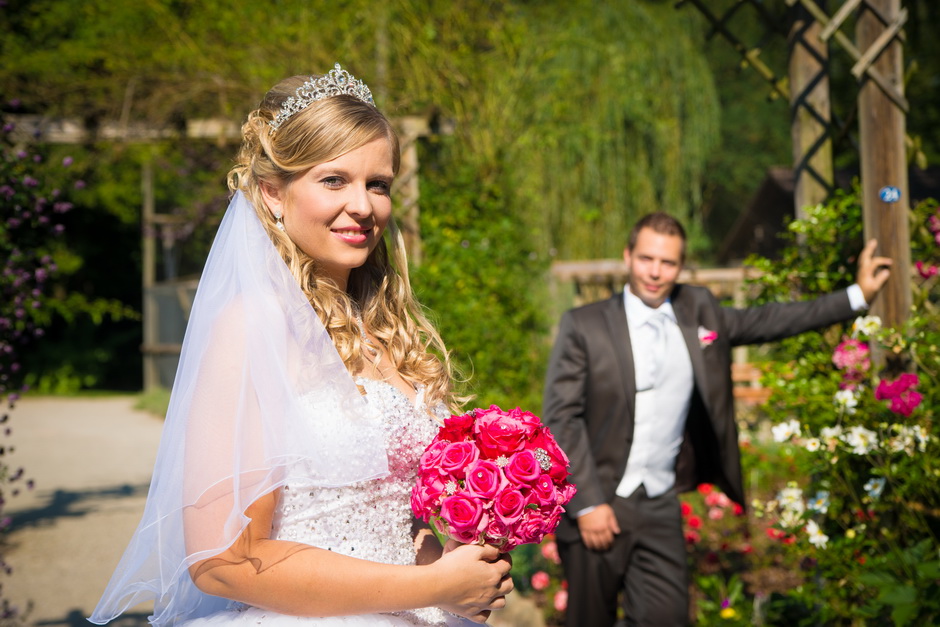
[[308, 386]]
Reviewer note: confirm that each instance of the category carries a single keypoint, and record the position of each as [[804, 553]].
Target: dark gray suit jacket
[[590, 388]]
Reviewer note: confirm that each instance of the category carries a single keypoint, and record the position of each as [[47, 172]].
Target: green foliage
[[486, 282], [860, 510]]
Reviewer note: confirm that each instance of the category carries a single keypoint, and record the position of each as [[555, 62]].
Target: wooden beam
[[883, 161]]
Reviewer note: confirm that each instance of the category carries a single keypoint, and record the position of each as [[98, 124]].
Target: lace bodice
[[370, 520]]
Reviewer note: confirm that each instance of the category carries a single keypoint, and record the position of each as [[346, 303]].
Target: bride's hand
[[475, 579]]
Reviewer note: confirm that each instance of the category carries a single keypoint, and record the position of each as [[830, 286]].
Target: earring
[[278, 223]]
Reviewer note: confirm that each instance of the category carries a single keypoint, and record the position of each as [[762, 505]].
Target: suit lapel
[[616, 318], [684, 308]]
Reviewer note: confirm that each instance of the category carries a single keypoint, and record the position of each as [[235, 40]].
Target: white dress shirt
[[664, 382]]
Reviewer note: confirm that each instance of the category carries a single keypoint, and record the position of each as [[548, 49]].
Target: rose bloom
[[695, 522], [457, 456], [692, 537], [851, 353], [540, 580], [508, 506], [705, 488], [543, 439], [549, 551], [561, 600], [498, 434], [484, 479], [523, 469], [456, 428], [686, 509], [464, 514], [716, 513]]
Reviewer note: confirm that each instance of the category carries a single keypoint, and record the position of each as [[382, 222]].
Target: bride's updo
[[380, 290]]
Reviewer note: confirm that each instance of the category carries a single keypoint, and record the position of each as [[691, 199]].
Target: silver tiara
[[334, 83]]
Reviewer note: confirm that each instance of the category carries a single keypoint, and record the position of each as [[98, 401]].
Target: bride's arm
[[298, 579]]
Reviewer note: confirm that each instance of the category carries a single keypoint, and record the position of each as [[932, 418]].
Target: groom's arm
[[563, 411]]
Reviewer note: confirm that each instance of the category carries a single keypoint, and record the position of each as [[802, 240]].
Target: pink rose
[[549, 551], [431, 458], [463, 514], [456, 428], [561, 600], [544, 491], [509, 505], [523, 468], [531, 527], [540, 580], [457, 456], [498, 433], [567, 493], [851, 354], [484, 479], [544, 440], [497, 534]]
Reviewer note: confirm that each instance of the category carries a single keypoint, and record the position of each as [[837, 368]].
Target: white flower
[[812, 445], [847, 401], [816, 537], [922, 437], [820, 503], [861, 440], [790, 518], [831, 433], [866, 325], [875, 487], [904, 441], [786, 430], [791, 499]]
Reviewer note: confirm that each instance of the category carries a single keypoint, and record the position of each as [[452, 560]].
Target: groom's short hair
[[659, 222]]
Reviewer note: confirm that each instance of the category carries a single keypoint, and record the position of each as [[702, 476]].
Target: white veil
[[261, 398]]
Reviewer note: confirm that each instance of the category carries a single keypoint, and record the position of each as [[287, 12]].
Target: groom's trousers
[[647, 562]]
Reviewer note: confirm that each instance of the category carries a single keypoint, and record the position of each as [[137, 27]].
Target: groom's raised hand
[[873, 271]]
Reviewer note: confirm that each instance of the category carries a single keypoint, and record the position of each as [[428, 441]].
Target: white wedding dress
[[371, 520]]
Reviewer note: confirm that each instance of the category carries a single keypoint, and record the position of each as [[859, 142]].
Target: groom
[[639, 395]]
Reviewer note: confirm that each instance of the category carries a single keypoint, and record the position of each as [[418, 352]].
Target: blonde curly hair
[[380, 289]]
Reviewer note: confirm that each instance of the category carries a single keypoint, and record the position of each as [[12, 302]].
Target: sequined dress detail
[[371, 520]]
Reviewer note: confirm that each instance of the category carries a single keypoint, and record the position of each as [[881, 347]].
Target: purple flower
[[79, 184], [8, 127], [67, 161], [29, 181]]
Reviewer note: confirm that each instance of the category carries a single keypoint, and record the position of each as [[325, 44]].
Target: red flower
[[705, 488], [692, 537], [695, 522], [686, 509]]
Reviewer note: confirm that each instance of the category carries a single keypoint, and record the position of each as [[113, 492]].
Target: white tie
[[657, 357]]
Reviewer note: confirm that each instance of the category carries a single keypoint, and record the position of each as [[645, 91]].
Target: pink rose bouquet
[[493, 477]]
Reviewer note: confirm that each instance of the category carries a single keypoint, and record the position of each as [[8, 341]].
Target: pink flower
[[523, 468], [431, 458], [484, 479], [543, 439], [549, 551], [900, 394], [692, 537], [706, 337], [456, 428], [540, 580], [716, 513], [508, 506], [498, 434], [463, 513], [851, 354], [561, 600], [495, 477], [544, 491], [926, 271], [457, 456]]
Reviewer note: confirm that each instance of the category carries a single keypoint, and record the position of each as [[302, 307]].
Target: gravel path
[[91, 460]]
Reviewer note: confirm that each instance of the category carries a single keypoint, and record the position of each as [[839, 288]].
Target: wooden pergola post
[[885, 198]]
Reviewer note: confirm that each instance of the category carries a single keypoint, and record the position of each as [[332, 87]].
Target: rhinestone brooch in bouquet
[[493, 477]]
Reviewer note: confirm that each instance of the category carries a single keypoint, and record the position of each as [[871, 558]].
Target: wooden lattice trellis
[[876, 55]]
